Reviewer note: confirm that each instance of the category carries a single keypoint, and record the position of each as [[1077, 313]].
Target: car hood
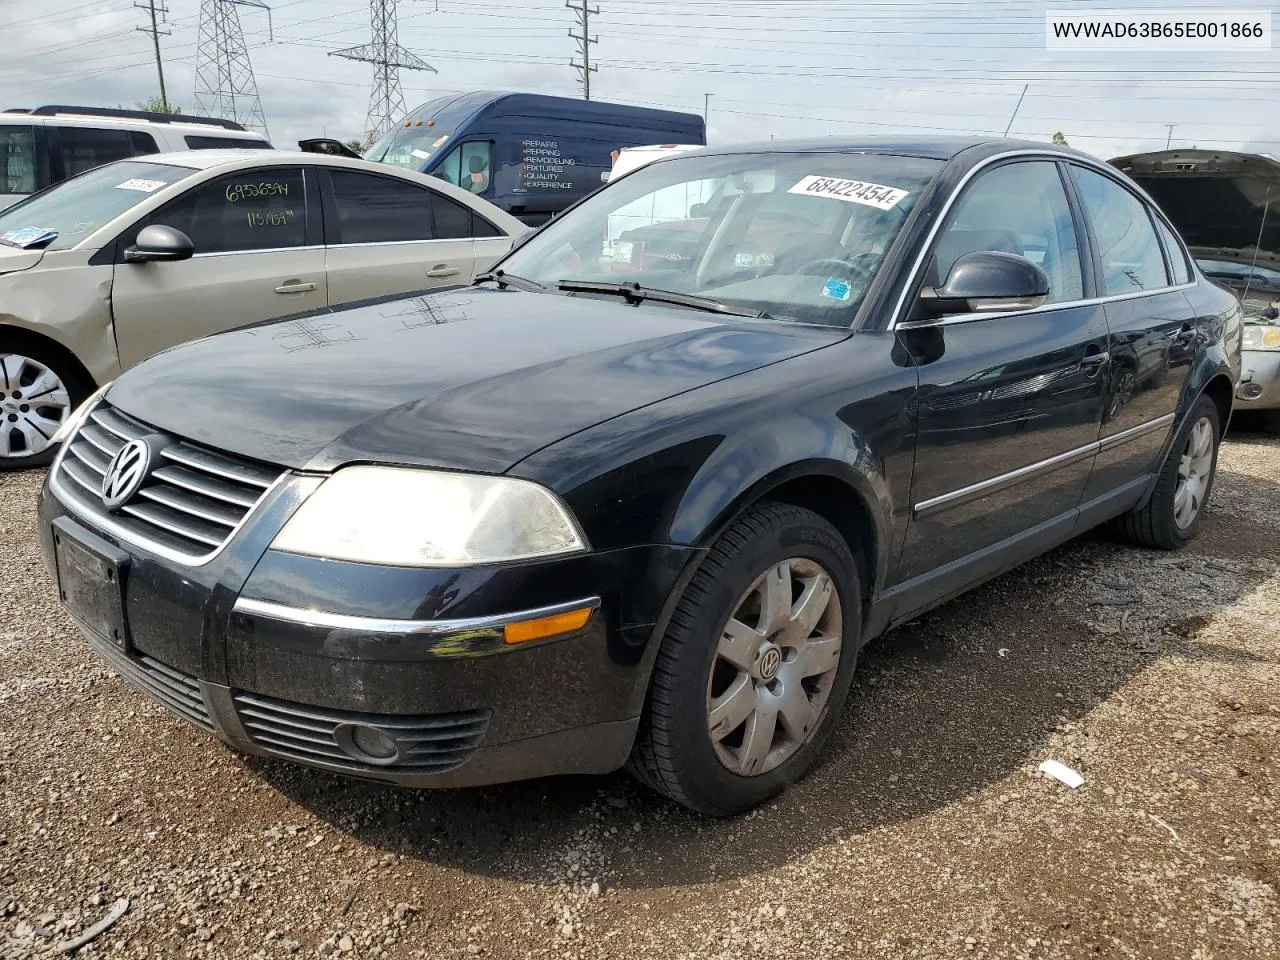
[[13, 259], [473, 379], [1225, 205]]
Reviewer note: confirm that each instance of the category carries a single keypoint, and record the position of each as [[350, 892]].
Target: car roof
[[932, 148]]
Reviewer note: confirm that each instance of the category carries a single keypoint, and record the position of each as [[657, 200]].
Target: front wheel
[[1176, 509], [755, 665], [38, 391]]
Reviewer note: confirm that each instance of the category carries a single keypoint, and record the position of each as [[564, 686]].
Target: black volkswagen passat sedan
[[615, 504]]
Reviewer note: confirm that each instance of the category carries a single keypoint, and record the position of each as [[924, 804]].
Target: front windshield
[[75, 208], [409, 146], [1230, 270], [797, 236]]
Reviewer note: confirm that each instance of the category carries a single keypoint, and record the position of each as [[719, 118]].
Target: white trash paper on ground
[[1061, 772]]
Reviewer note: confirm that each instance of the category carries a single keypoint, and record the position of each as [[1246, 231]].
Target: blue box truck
[[529, 154]]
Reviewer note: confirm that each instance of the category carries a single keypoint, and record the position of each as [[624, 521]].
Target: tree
[[1059, 139], [357, 145], [156, 105]]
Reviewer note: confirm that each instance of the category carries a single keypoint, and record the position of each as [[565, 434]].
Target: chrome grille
[[429, 744], [189, 506], [169, 687]]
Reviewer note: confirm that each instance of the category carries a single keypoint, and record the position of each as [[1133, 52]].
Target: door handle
[[1092, 360], [443, 270], [295, 286]]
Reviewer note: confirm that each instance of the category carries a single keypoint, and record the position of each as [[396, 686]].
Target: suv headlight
[[428, 518], [1260, 336], [72, 423]]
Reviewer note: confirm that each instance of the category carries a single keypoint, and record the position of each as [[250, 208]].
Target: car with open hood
[[1227, 207], [567, 519]]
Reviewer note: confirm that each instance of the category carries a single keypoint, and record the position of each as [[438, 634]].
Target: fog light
[[367, 744], [1249, 391]]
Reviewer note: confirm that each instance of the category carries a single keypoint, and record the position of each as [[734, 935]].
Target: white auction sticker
[[851, 191], [142, 186]]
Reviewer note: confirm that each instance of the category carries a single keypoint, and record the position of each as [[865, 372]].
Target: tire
[[730, 770], [39, 388], [1161, 523]]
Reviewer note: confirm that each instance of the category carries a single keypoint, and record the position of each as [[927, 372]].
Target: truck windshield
[[797, 237], [409, 147]]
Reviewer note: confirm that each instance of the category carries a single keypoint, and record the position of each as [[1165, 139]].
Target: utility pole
[[386, 102], [706, 103], [225, 84], [585, 69], [1016, 108], [156, 34], [1169, 139]]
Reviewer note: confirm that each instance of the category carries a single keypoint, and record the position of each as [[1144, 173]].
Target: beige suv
[[104, 270]]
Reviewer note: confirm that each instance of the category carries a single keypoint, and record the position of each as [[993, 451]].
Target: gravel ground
[[926, 833]]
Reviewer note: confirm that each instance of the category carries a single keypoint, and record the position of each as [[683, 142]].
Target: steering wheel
[[863, 263]]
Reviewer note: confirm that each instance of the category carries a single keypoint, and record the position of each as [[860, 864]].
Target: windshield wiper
[[504, 280], [634, 293]]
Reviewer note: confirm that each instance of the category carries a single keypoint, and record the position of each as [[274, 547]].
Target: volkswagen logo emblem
[[770, 661], [125, 473]]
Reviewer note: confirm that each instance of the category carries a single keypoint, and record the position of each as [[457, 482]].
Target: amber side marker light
[[543, 627]]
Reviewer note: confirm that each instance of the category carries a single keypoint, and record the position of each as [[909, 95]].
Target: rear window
[[200, 142]]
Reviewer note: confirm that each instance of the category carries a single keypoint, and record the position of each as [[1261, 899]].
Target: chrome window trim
[[430, 628], [404, 243], [917, 269], [242, 253], [1001, 481], [80, 508]]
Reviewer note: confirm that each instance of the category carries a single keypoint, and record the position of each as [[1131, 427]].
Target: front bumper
[[1259, 386], [287, 657]]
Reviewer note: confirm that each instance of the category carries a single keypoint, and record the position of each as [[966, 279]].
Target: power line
[[156, 34], [583, 14], [386, 102], [225, 85]]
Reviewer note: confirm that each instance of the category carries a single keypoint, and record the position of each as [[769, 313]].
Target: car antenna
[[1257, 247]]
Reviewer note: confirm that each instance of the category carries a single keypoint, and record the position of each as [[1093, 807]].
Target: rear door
[[385, 235], [1153, 330], [258, 256]]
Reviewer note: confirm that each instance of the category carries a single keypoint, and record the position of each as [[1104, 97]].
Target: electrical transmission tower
[[225, 85], [386, 103], [585, 69]]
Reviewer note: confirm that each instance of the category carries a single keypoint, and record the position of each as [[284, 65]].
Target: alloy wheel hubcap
[[1194, 470], [34, 402], [775, 665]]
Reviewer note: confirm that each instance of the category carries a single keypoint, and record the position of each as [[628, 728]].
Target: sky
[[782, 68]]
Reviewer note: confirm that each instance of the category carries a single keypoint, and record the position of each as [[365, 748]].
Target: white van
[[632, 158], [42, 146]]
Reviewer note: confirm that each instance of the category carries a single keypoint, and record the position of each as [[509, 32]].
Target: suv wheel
[[1174, 513], [755, 665], [37, 395]]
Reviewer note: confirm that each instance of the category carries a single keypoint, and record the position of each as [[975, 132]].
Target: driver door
[[1010, 404], [255, 260]]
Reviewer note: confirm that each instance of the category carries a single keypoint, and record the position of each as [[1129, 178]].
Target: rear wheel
[[755, 665], [38, 391], [1176, 509]]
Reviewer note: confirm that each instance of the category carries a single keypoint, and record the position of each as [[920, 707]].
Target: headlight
[[1258, 336], [72, 423], [427, 518]]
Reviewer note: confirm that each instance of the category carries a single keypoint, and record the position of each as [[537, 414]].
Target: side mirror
[[988, 281], [698, 211], [158, 242]]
